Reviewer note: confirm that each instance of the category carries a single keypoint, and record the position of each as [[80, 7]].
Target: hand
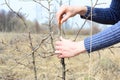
[[67, 48], [66, 12]]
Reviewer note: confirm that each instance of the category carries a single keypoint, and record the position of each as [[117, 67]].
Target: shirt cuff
[[87, 13]]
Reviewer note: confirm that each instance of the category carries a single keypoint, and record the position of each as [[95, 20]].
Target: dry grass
[[16, 61]]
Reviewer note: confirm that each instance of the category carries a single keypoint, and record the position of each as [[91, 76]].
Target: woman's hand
[[67, 48], [66, 12]]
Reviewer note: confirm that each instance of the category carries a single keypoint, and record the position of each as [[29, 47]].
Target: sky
[[28, 7], [33, 10]]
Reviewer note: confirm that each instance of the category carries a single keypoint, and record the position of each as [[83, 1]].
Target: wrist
[[82, 10], [81, 47]]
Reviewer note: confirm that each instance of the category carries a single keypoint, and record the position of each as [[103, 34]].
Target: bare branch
[[33, 56], [17, 13], [80, 29], [42, 5], [111, 51]]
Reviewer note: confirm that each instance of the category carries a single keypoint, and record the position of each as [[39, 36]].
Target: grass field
[[16, 61]]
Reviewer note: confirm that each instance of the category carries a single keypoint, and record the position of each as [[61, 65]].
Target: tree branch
[[17, 13]]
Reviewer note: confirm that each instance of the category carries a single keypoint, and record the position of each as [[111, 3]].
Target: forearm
[[103, 39]]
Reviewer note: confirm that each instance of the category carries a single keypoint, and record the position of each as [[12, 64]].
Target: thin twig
[[84, 22], [62, 60], [17, 13], [33, 56], [80, 29], [42, 5], [33, 51], [111, 51]]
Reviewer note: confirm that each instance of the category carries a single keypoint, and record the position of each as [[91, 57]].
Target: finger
[[58, 43], [65, 18], [58, 56], [58, 47], [62, 39], [59, 15], [58, 52], [61, 56]]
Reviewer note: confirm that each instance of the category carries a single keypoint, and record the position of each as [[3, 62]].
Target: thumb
[[62, 39]]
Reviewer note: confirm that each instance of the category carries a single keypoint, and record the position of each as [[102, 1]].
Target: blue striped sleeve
[[109, 15], [103, 39]]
